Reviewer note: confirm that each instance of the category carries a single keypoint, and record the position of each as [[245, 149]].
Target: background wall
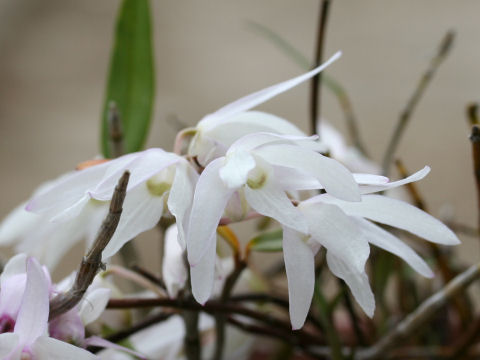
[[54, 56]]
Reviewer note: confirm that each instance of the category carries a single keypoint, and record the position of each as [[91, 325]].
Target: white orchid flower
[[349, 156], [70, 326], [29, 339], [262, 167], [214, 134], [342, 227], [157, 178], [175, 272]]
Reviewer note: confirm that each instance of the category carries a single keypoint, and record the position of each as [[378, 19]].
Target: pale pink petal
[[209, 202], [357, 281], [46, 348], [336, 179], [259, 97], [32, 318], [270, 200], [98, 341], [300, 269], [141, 212]]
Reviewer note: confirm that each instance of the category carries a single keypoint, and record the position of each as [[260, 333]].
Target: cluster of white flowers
[[237, 163]]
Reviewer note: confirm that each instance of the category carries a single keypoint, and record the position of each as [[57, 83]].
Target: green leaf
[[131, 76], [267, 242]]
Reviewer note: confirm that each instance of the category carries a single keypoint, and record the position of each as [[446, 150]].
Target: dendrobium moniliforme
[[238, 164], [29, 339]]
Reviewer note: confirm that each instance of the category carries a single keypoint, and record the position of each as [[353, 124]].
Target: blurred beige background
[[54, 56]]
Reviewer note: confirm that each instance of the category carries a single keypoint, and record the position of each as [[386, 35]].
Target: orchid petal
[[370, 179], [47, 348], [173, 267], [248, 122], [32, 319], [252, 141], [98, 341], [8, 342], [338, 233], [237, 166], [300, 269], [144, 165], [293, 179], [203, 273], [181, 196], [141, 212], [210, 199], [93, 305], [398, 214], [17, 224], [259, 97], [356, 280], [68, 192], [271, 201], [336, 179], [14, 266], [372, 187], [386, 241]]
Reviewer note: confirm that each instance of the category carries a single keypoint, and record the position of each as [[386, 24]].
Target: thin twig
[[148, 275], [115, 131], [466, 340], [123, 334], [128, 252], [421, 315], [92, 262], [475, 139], [473, 113], [330, 83], [220, 319], [210, 307], [315, 92], [407, 112]]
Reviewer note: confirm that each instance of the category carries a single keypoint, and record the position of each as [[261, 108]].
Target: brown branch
[[460, 302], [407, 112], [421, 315], [315, 92], [92, 262], [475, 139]]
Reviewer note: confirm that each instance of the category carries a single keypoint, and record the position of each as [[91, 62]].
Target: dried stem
[[421, 315], [92, 262], [315, 92], [475, 139], [210, 307], [407, 112], [472, 113], [117, 148], [220, 319]]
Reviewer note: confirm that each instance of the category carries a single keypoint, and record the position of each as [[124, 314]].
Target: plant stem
[[315, 92], [407, 112]]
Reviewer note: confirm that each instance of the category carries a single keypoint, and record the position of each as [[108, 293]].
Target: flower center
[[157, 188], [256, 178], [6, 324]]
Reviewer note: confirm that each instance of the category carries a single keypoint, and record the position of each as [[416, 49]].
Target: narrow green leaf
[[131, 76], [267, 242]]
